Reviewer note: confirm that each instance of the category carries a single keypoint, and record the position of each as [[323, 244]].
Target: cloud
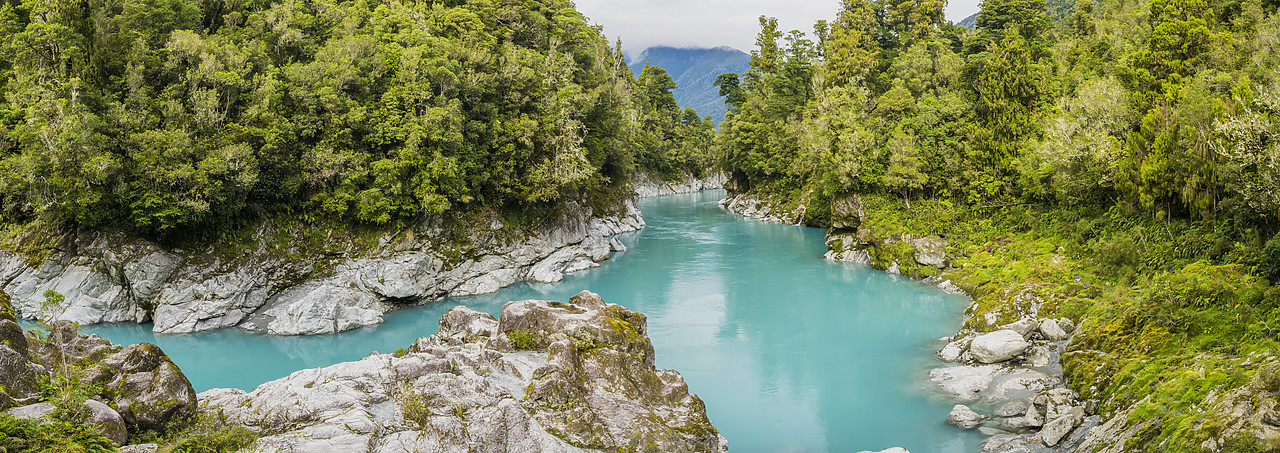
[[709, 23]]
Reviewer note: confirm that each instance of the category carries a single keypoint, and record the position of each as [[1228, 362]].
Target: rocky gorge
[[555, 377], [274, 284], [106, 277]]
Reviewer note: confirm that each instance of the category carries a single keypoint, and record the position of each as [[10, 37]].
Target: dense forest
[[1113, 161], [164, 116], [1164, 107]]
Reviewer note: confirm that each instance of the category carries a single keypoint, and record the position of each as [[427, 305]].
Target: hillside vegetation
[[1115, 162], [172, 116]]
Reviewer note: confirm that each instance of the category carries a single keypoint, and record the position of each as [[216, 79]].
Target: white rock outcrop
[[550, 376], [113, 278], [964, 417]]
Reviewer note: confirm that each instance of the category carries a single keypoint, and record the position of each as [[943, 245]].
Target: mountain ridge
[[694, 69]]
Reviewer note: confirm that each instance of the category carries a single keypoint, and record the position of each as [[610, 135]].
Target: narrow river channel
[[791, 353]]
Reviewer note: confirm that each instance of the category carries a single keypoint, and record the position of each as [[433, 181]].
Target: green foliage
[[50, 436], [207, 434], [416, 407], [1116, 165], [167, 116], [522, 340]]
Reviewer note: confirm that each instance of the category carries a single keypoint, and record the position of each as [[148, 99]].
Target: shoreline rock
[[544, 376], [112, 278], [646, 185]]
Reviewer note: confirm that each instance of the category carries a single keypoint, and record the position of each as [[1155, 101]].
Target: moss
[[521, 339], [6, 309]]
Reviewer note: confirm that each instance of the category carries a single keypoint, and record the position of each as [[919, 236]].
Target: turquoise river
[[791, 353]]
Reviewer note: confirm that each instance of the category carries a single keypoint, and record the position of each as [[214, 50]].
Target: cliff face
[[545, 376], [287, 290]]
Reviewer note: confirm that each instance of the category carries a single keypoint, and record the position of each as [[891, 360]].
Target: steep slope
[[694, 70]]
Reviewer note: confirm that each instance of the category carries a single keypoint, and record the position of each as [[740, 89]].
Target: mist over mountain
[[693, 71]]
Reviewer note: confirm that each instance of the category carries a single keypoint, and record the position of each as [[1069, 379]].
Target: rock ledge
[[546, 376]]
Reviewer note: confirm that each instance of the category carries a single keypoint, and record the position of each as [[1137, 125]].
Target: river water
[[791, 353]]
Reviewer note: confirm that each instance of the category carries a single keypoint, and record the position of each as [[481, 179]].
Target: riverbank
[[286, 277], [1171, 349]]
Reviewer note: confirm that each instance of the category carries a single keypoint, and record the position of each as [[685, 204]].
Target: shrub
[[49, 436]]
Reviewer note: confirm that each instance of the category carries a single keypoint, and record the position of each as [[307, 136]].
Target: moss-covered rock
[[599, 388], [6, 309], [18, 376], [147, 388], [139, 381]]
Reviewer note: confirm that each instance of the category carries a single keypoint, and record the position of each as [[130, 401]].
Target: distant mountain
[[970, 22], [694, 70]]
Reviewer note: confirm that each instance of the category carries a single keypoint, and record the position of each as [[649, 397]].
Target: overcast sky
[[710, 23]]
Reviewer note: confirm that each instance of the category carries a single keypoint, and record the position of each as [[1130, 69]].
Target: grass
[[206, 434]]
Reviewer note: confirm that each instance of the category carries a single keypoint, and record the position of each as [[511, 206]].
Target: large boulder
[[18, 376], [1058, 428], [998, 346], [139, 381], [146, 387], [1051, 331], [544, 376], [108, 422]]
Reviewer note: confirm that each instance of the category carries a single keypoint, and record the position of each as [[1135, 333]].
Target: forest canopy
[[159, 116]]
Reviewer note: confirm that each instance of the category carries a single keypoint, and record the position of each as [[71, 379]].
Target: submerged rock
[[544, 376], [1012, 409], [965, 383]]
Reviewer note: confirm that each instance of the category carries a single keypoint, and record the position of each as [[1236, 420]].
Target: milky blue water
[[791, 353]]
